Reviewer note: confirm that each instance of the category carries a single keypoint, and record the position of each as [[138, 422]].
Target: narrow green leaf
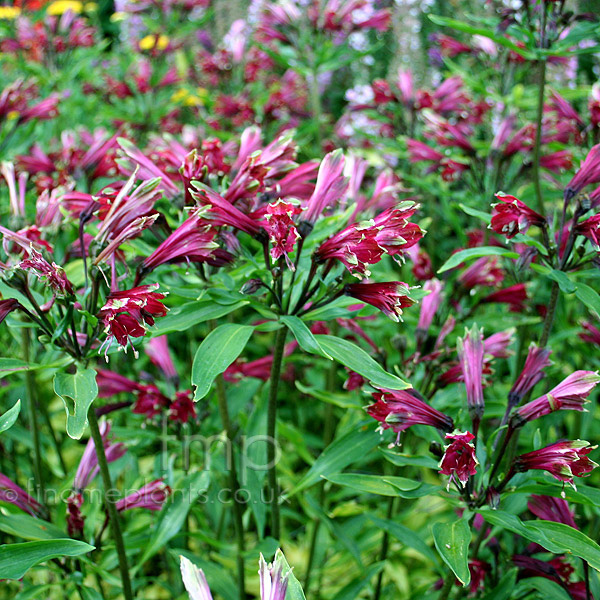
[[589, 297], [545, 588], [356, 359], [78, 390], [358, 584], [304, 336], [217, 351], [17, 559], [452, 542], [338, 455], [373, 484], [7, 420], [190, 314], [564, 283], [30, 528], [469, 253], [505, 587]]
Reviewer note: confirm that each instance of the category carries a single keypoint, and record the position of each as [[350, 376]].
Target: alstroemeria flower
[[459, 460], [563, 460], [570, 394], [125, 313], [159, 354], [390, 297], [400, 409], [430, 303], [590, 228], [515, 296], [151, 496], [589, 172], [511, 216], [7, 306], [591, 333], [13, 494], [52, 274], [484, 271], [470, 353], [549, 508], [273, 582], [182, 409], [194, 580], [396, 233], [533, 372], [279, 224]]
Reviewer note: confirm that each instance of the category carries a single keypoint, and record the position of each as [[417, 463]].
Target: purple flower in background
[[549, 508], [430, 303], [194, 580], [589, 172], [470, 353], [13, 494], [150, 496], [159, 354], [533, 372]]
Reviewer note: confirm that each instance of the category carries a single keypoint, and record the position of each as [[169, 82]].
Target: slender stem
[[447, 587], [538, 136], [32, 407], [549, 315], [44, 410], [501, 452], [238, 510], [385, 544], [271, 423], [111, 508]]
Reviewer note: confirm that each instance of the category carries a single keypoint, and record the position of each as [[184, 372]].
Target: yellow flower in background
[[202, 94], [91, 6], [9, 12], [118, 16], [185, 97], [151, 41], [62, 6], [12, 115]]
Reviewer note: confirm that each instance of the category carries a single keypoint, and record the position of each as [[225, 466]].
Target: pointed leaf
[[460, 257], [304, 336], [7, 420], [79, 390], [452, 542]]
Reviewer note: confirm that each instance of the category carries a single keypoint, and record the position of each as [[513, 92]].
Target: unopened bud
[[251, 286]]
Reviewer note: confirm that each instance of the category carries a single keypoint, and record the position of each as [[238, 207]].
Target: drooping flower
[[150, 401], [125, 313], [400, 409], [159, 354], [515, 296], [570, 394], [331, 186], [591, 333], [13, 494], [563, 460], [390, 297], [470, 353], [533, 372], [589, 172], [549, 508], [484, 271], [590, 229], [511, 216], [182, 409], [478, 569], [7, 306], [396, 233], [151, 496], [459, 460], [430, 303], [52, 274], [281, 228]]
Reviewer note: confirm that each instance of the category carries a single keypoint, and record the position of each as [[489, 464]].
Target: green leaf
[[30, 528], [219, 579], [81, 389], [452, 542], [356, 359], [338, 455], [373, 484], [408, 537], [358, 584], [17, 559], [456, 259], [183, 317], [174, 513], [505, 587], [564, 283], [7, 420], [217, 351], [479, 214], [545, 588], [294, 590], [304, 336], [589, 297]]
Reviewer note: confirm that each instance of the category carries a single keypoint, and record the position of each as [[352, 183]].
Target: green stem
[[538, 136], [111, 507], [447, 587], [549, 315], [271, 423], [385, 544], [32, 407], [235, 486]]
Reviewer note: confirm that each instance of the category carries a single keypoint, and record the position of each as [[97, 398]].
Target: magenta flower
[[193, 241], [590, 228], [563, 109], [484, 271], [159, 354], [533, 372], [16, 190], [420, 152], [496, 345], [125, 313], [273, 582], [150, 496], [13, 494], [503, 132], [390, 297], [552, 509], [589, 172], [561, 160], [150, 401], [52, 274], [591, 333], [222, 212], [459, 460], [430, 303], [570, 394], [563, 460], [44, 110], [331, 186], [515, 296], [182, 409], [110, 384], [396, 233], [280, 226], [400, 409], [7, 306], [470, 353], [511, 216]]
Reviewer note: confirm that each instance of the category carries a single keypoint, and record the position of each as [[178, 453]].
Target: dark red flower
[[459, 460], [390, 297], [511, 216]]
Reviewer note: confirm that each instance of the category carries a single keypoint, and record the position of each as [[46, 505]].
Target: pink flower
[[16, 196], [273, 582], [151, 496], [150, 401], [470, 353], [182, 409], [396, 233], [505, 128], [561, 160], [563, 109], [193, 241], [125, 313], [515, 296], [52, 274], [10, 492], [591, 333], [158, 352], [548, 508], [430, 303], [111, 383], [511, 216], [279, 224], [420, 152], [484, 271], [459, 460], [44, 110], [390, 298], [354, 381], [570, 394], [589, 172], [497, 344], [7, 306], [400, 409], [590, 229], [331, 186], [563, 460], [533, 372]]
